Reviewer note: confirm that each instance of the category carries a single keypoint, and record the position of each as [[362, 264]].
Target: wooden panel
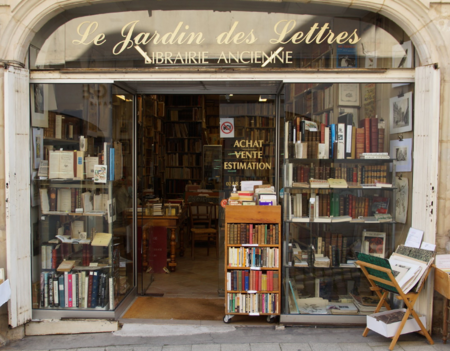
[[17, 190], [425, 180], [253, 214], [442, 282]]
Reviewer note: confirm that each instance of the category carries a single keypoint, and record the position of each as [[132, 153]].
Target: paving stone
[[147, 348], [325, 347], [119, 348], [348, 346], [265, 347], [381, 344], [295, 347], [439, 346], [386, 348], [91, 349], [206, 347], [235, 347], [177, 348]]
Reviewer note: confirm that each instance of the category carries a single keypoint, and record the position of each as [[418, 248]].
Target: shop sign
[[248, 156], [274, 44]]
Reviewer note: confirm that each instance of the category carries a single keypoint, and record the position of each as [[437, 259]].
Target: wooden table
[[442, 286], [173, 223]]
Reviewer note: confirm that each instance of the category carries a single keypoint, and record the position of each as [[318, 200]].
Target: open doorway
[[182, 158]]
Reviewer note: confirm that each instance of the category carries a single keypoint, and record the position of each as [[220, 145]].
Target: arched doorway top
[[28, 17]]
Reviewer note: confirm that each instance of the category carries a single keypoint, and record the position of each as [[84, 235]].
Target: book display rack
[[80, 262], [339, 200], [252, 261]]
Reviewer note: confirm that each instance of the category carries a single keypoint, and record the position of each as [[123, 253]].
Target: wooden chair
[[201, 227], [379, 273]]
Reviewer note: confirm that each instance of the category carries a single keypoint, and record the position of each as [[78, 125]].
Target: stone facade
[[427, 22]]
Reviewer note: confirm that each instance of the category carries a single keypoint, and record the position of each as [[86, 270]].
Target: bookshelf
[[326, 223], [185, 117], [79, 191], [252, 261]]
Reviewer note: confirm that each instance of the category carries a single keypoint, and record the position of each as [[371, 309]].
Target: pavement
[[226, 337]]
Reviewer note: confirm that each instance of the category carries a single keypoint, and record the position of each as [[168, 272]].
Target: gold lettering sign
[[283, 33]]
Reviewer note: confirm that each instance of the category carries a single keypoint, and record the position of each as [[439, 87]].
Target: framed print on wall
[[348, 94], [400, 113], [374, 243], [400, 150]]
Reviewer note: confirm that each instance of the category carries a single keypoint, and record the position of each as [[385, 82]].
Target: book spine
[[69, 290], [62, 302], [111, 293], [52, 194]]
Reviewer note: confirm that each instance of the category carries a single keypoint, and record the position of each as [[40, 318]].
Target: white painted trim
[[390, 76], [17, 193], [425, 168]]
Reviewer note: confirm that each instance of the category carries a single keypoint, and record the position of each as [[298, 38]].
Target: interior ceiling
[[203, 87]]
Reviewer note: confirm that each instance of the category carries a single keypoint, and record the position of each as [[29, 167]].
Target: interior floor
[[193, 278]]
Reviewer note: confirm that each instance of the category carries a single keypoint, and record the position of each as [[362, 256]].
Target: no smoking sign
[[227, 127]]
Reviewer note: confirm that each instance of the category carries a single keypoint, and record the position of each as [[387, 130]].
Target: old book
[[101, 239], [79, 164], [374, 135], [64, 203], [337, 183], [45, 204], [365, 123], [66, 266], [90, 162], [61, 164], [319, 183], [381, 139]]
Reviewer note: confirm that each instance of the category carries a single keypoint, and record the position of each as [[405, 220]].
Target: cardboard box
[[389, 330]]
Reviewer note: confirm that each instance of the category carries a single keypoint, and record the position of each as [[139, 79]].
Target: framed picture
[[402, 55], [38, 146], [346, 56], [400, 150], [348, 94], [374, 243], [400, 113], [39, 110]]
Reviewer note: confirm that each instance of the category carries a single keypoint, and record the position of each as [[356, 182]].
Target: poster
[[38, 146], [401, 199], [400, 150], [346, 56], [369, 101], [400, 113]]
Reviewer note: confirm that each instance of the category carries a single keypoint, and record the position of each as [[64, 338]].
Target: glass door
[[248, 138]]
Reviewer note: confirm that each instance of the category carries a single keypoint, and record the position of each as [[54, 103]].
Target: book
[[66, 266], [101, 239], [342, 308], [337, 183], [89, 163], [319, 183], [79, 164], [61, 165]]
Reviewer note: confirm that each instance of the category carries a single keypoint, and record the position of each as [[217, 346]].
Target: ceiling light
[[262, 99]]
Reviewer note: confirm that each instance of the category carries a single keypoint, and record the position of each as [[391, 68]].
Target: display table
[[174, 223], [442, 286]]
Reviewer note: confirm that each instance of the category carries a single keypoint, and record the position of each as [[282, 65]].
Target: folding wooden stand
[[383, 282]]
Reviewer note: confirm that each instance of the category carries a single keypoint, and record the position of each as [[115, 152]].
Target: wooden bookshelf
[[254, 293]]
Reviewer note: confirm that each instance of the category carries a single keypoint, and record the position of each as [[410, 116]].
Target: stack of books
[[157, 210]]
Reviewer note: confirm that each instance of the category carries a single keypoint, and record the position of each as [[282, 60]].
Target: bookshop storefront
[[250, 91]]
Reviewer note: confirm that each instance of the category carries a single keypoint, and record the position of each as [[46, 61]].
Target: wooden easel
[[383, 282]]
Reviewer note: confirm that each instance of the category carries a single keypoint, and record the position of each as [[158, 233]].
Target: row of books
[[52, 255], [85, 289], [183, 130], [247, 108], [266, 257], [193, 114], [62, 127], [183, 173], [246, 280], [253, 303], [356, 173], [335, 141], [242, 233], [74, 200], [186, 145], [80, 165], [186, 160], [254, 122], [336, 205]]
